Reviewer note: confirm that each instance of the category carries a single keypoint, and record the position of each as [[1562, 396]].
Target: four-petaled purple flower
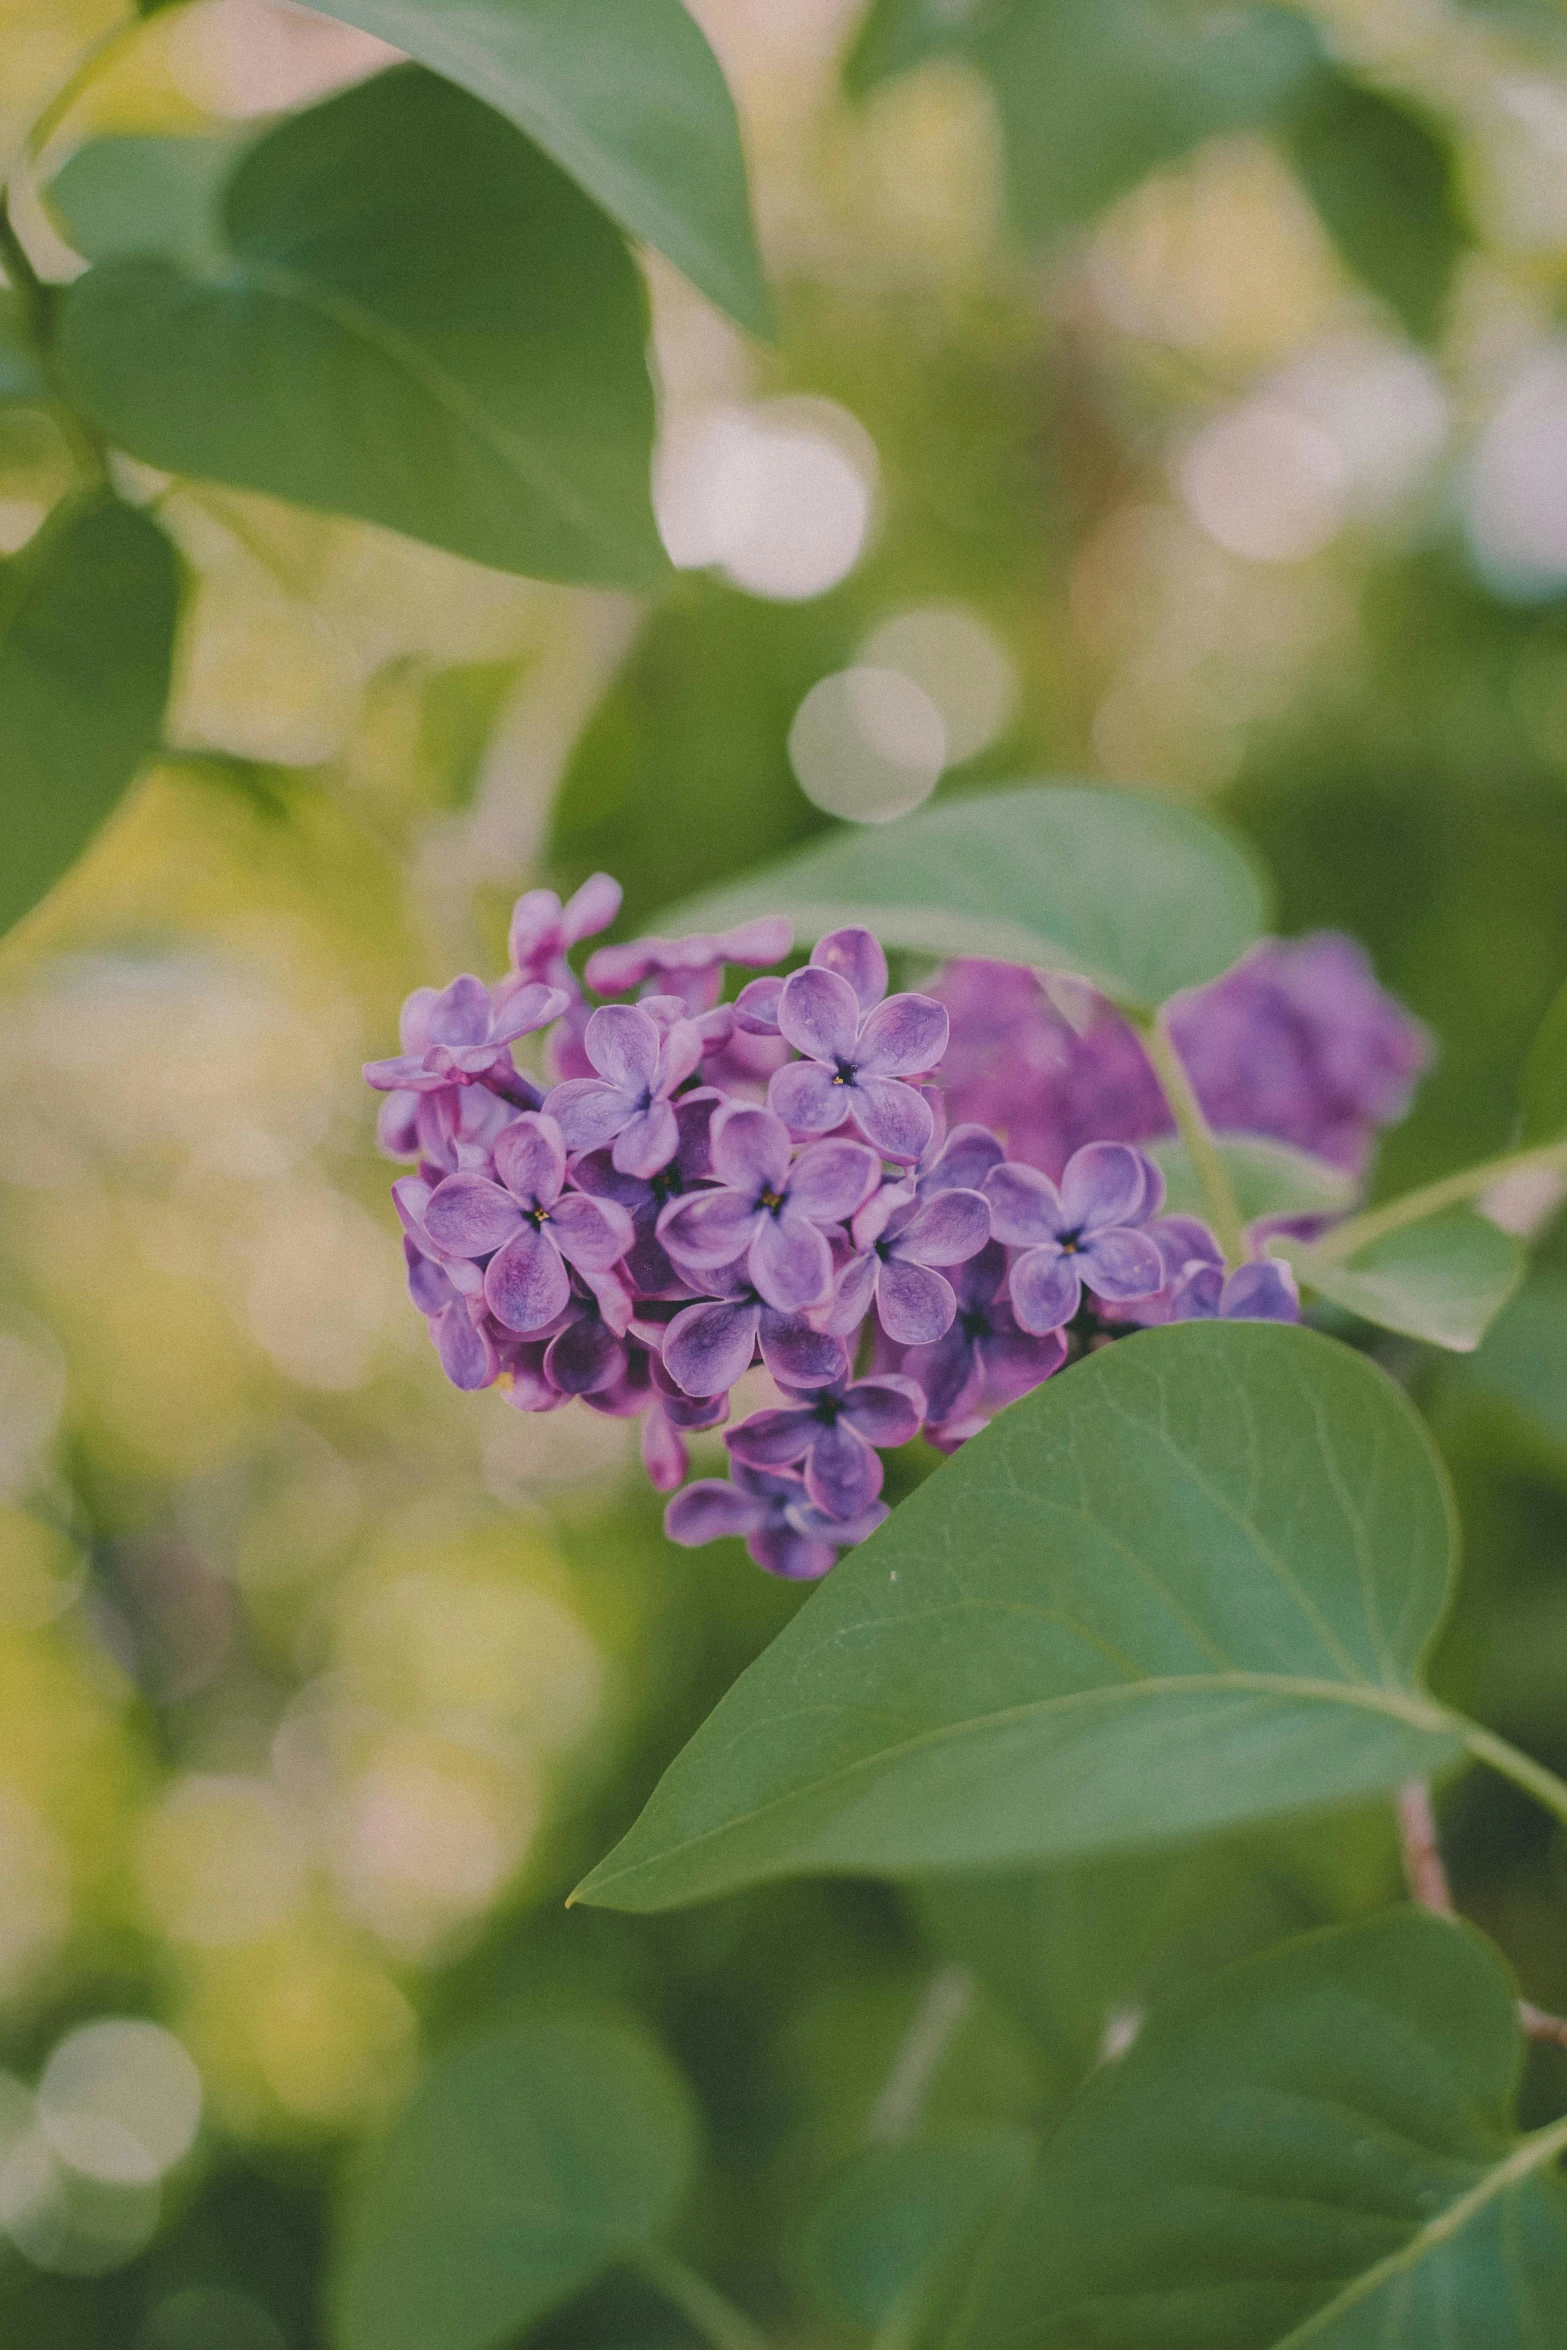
[[985, 1360], [709, 1345], [459, 1037], [782, 1529], [767, 1211], [899, 1239], [527, 1225], [542, 930], [1261, 1292], [627, 1105], [645, 1197], [857, 1049], [1084, 1235], [836, 1432]]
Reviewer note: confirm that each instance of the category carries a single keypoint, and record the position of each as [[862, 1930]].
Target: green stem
[[1208, 1161], [1524, 1772], [79, 80], [716, 2319], [1449, 1191]]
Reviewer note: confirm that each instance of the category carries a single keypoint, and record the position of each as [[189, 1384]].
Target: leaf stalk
[[1449, 1191], [716, 2319], [1223, 1208]]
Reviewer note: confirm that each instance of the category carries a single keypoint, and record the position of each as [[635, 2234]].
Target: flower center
[[537, 1216], [845, 1075], [1069, 1243], [772, 1200], [974, 1325]]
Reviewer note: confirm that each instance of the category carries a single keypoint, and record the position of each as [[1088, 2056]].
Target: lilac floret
[[857, 1049], [1082, 1235], [526, 1225], [690, 968], [838, 1432], [542, 930], [711, 1344], [461, 1037], [771, 1213], [899, 1240], [1260, 1292], [780, 1528], [627, 1105], [647, 1266], [986, 1359]]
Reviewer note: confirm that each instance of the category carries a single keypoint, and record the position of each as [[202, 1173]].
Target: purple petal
[[526, 1285], [694, 1114], [843, 1475], [1025, 1206], [981, 1280], [770, 1440], [592, 909], [780, 1488], [843, 1531], [1014, 1362], [1183, 1242], [946, 1230], [622, 1043], [535, 931], [915, 1305], [682, 1049], [461, 1013], [790, 1262], [530, 1007], [903, 1037], [467, 1357], [857, 957], [819, 1013], [1045, 1289], [588, 1112], [786, 1552], [596, 1172], [708, 1227], [1261, 1293], [893, 1118], [852, 1294], [592, 1234], [585, 1357], [885, 1410], [1106, 1183], [766, 940], [709, 1510], [808, 1097], [1121, 1265], [405, 1074], [756, 1007], [708, 1347], [831, 1179], [950, 1372], [750, 1149], [530, 1158], [428, 1285], [469, 1215], [1200, 1295], [413, 1021], [887, 1210], [963, 1162], [799, 1356], [647, 1141]]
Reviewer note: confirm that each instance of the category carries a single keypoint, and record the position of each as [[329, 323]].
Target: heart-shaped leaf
[[886, 2224], [1319, 2148], [87, 615], [1185, 1584], [1268, 1179], [1444, 1279], [530, 2159], [1139, 897], [421, 321]]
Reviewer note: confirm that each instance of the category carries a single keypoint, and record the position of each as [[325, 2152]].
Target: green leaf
[[1444, 1279], [422, 322], [1183, 1585], [1138, 896], [22, 379], [1385, 186], [627, 96], [87, 616], [888, 2222], [530, 2160], [1521, 1364], [147, 196], [1545, 1078], [1318, 2147], [1269, 1178]]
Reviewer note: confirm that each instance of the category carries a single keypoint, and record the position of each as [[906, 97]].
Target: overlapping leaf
[[1185, 1584], [418, 320], [1269, 1179], [1444, 1279], [1134, 894]]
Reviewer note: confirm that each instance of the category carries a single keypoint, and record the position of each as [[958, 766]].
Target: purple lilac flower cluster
[[700, 1185]]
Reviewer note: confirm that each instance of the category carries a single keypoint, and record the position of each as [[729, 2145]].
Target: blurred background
[[320, 1683]]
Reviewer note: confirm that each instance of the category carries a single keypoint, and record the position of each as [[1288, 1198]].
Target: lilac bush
[[699, 1187]]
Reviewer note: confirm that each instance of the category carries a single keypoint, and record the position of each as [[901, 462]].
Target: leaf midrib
[[1420, 1713]]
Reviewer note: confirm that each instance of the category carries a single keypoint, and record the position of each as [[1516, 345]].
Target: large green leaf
[[1317, 2148], [1269, 1179], [1386, 188], [627, 96], [530, 2160], [147, 195], [421, 321], [1545, 1078], [21, 374], [1185, 1584], [1521, 1365], [1444, 1279], [87, 615], [1136, 895], [887, 2223]]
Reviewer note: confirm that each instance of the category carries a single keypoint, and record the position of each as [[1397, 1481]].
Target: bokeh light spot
[[868, 744], [960, 663], [778, 495], [1265, 482], [120, 2101]]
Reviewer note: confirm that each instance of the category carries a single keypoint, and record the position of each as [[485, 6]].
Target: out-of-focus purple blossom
[[854, 1064], [899, 1239], [1260, 1292], [691, 968], [526, 1226], [781, 1529], [627, 1105], [647, 1267], [440, 1127], [709, 1345], [460, 1037], [985, 1360], [543, 930], [836, 1431], [768, 1211], [1082, 1235]]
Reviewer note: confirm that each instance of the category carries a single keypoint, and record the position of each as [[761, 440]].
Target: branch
[[1425, 1873]]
